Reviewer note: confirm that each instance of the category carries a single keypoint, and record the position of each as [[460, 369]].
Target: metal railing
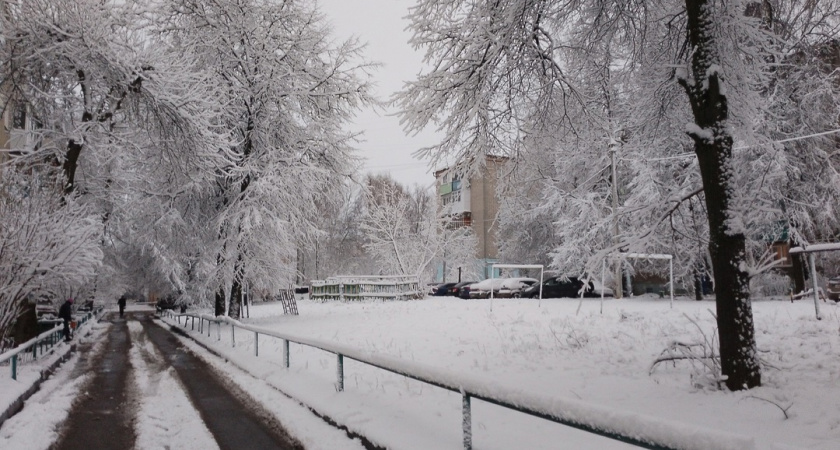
[[40, 345], [633, 429]]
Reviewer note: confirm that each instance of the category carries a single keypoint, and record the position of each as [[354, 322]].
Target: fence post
[[286, 353], [232, 335], [219, 330], [466, 422], [340, 370], [14, 367], [256, 344]]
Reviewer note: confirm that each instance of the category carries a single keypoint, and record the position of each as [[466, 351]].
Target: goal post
[[810, 250], [624, 256]]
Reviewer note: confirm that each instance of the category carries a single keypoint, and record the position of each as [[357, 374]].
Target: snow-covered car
[[513, 287], [597, 287], [832, 289], [557, 287], [482, 288], [45, 310]]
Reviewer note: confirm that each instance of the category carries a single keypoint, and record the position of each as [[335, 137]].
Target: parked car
[[456, 289], [443, 289], [513, 287], [464, 292], [557, 287], [301, 289], [833, 289], [168, 302], [431, 287], [45, 310], [482, 288]]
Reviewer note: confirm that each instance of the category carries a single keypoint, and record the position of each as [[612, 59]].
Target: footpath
[[103, 416]]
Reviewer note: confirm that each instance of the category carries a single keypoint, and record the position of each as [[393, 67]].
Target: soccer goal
[[810, 250]]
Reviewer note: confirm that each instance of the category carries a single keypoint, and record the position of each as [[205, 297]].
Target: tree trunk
[[698, 284], [798, 273], [713, 146], [235, 307], [797, 270], [71, 161], [26, 325], [220, 301]]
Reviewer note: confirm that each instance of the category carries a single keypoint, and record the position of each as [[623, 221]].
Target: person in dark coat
[[66, 313], [121, 302]]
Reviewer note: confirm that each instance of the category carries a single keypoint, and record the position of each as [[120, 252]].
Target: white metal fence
[[382, 287]]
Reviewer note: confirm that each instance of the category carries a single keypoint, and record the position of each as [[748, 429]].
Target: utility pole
[[619, 261]]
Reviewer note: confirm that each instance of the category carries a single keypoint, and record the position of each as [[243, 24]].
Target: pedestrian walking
[[121, 302], [66, 314]]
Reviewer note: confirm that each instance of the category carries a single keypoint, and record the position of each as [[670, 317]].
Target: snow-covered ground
[[558, 350], [554, 349]]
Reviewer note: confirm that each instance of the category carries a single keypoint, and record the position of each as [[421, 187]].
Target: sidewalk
[[105, 415]]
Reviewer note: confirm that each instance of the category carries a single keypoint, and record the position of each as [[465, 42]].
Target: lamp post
[[613, 145]]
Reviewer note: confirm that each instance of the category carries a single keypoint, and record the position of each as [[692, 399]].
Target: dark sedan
[[442, 289], [456, 289], [557, 287]]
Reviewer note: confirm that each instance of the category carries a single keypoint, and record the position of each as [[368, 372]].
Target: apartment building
[[473, 203]]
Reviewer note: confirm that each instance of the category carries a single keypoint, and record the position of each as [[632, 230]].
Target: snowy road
[[135, 386], [139, 351]]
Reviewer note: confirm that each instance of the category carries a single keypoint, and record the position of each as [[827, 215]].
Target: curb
[[17, 405]]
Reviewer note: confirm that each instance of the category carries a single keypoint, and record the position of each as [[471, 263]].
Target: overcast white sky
[[381, 24]]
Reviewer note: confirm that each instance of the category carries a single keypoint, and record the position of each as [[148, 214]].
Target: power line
[[742, 147]]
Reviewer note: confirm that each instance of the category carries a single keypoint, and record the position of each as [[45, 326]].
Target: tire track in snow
[[166, 418]]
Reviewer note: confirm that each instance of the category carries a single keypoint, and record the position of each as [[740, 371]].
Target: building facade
[[474, 203]]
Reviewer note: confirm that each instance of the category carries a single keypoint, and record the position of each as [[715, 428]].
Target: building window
[[452, 197], [19, 116]]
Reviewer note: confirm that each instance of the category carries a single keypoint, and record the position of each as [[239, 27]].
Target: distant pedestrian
[[121, 302], [66, 314]]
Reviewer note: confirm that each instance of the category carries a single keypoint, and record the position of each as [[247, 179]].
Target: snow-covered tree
[[337, 247], [48, 247], [583, 81], [405, 233], [287, 91], [111, 103]]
